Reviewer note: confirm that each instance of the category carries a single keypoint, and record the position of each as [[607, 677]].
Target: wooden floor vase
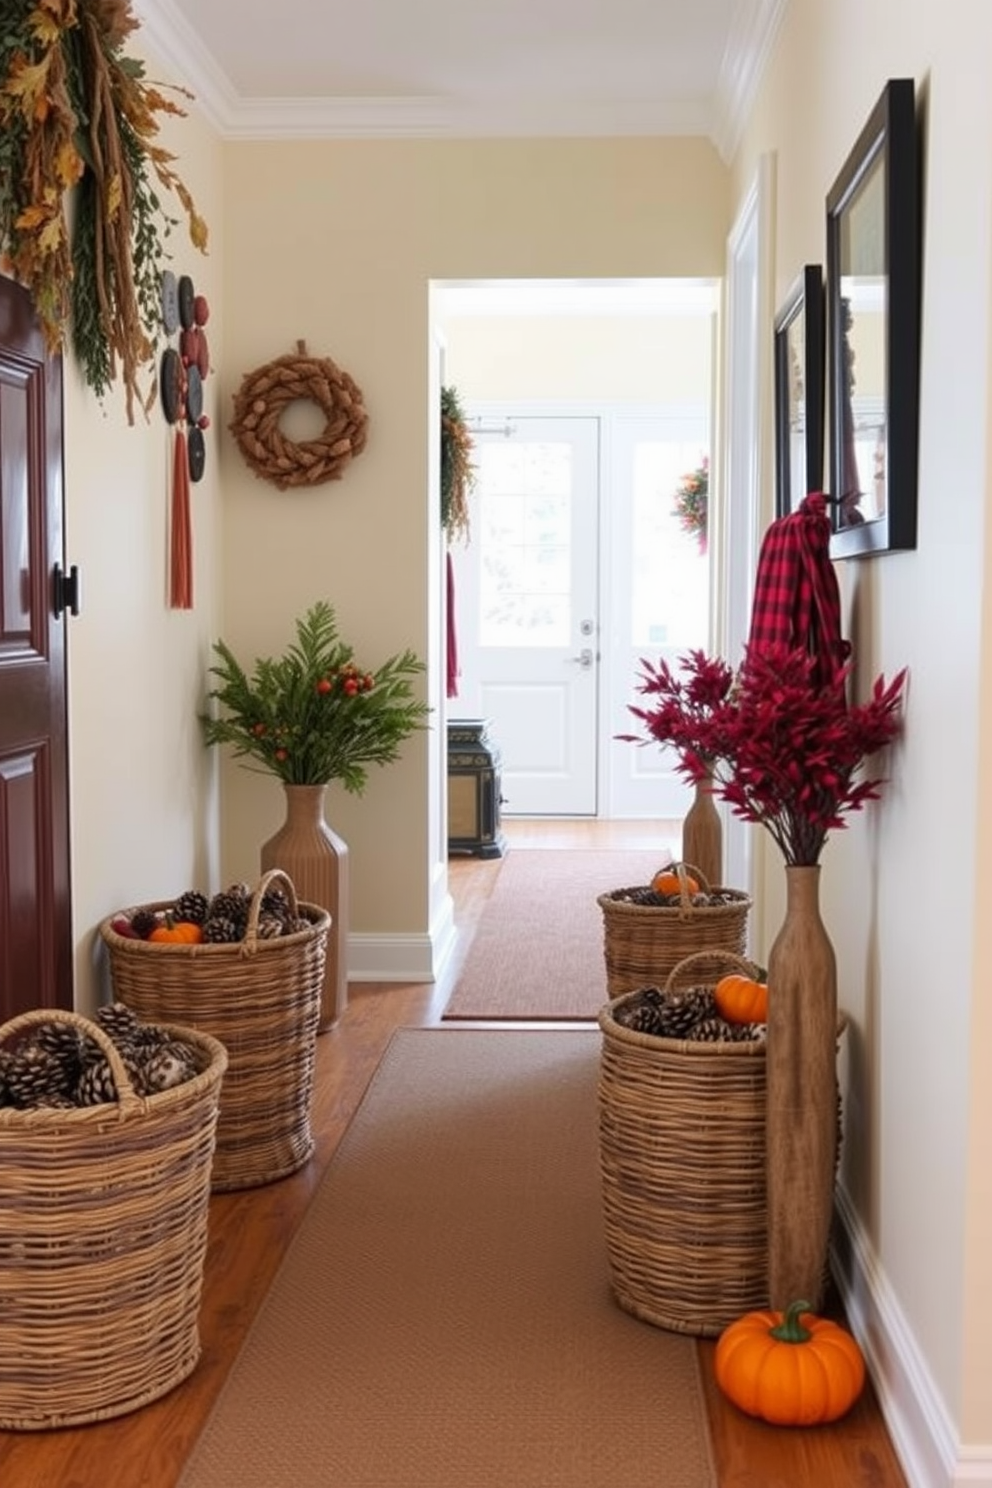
[[702, 833], [316, 859], [801, 1119]]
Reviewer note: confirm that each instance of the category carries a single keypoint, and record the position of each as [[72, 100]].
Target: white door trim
[[747, 445]]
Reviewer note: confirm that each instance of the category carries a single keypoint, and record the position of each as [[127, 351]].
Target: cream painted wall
[[337, 243], [903, 888], [143, 787], [636, 358]]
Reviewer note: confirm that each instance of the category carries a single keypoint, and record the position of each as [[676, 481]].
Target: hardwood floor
[[249, 1232]]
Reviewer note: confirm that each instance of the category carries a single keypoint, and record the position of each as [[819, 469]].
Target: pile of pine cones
[[221, 919], [690, 1013], [645, 896], [58, 1065]]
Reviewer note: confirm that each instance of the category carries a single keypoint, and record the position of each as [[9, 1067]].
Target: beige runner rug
[[538, 950], [442, 1318]]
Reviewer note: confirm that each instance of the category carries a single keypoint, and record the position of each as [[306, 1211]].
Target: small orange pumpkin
[[176, 932], [741, 999], [791, 1368], [667, 881]]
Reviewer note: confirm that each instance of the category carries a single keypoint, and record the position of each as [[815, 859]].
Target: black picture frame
[[873, 328], [799, 390]]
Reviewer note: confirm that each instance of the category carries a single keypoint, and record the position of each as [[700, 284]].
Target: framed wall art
[[799, 391], [873, 319]]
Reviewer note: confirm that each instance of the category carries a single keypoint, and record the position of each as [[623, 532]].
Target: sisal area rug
[[538, 950], [442, 1318]]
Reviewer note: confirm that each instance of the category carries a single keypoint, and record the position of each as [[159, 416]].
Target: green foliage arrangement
[[77, 115], [457, 470], [314, 715]]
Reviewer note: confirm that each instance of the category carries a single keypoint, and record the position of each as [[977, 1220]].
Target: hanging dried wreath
[[263, 398], [457, 470], [76, 114]]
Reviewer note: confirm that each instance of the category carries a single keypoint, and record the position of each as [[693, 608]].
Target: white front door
[[526, 610]]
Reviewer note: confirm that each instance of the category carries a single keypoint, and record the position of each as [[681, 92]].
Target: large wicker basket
[[682, 1155], [643, 942], [261, 999], [103, 1233]]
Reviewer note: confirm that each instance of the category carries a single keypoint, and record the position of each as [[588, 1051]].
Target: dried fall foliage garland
[[77, 114], [457, 469], [264, 396]]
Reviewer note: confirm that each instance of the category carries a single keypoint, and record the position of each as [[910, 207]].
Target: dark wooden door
[[35, 908]]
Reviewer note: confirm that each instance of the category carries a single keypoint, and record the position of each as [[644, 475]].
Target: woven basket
[[103, 1232], [261, 999], [642, 943], [682, 1157]]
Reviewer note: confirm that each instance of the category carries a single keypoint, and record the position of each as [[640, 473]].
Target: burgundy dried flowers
[[780, 749]]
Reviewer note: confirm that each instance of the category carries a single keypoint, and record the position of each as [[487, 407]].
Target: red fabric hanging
[[796, 594], [453, 672], [181, 545]]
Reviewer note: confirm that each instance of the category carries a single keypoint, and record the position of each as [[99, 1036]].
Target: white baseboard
[[917, 1418], [403, 958]]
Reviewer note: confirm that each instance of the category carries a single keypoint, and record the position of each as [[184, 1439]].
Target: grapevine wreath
[[263, 398]]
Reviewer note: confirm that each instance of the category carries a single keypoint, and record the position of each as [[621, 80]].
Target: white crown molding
[[436, 118], [752, 36], [176, 44]]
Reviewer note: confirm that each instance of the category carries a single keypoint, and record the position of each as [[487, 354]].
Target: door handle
[[65, 590], [584, 658]]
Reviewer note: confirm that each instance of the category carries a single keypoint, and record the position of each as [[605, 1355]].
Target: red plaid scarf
[[796, 594]]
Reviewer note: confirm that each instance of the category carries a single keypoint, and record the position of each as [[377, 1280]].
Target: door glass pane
[[669, 570], [524, 493]]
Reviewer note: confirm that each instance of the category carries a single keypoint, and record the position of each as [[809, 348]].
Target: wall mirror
[[873, 292], [799, 394]]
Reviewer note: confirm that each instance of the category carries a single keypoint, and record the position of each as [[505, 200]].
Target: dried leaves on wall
[[76, 115]]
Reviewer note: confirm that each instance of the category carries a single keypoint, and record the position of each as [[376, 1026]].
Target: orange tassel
[[181, 556]]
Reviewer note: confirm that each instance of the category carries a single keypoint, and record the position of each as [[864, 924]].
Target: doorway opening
[[588, 404]]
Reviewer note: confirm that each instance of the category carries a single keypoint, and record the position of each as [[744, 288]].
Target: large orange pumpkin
[[791, 1368]]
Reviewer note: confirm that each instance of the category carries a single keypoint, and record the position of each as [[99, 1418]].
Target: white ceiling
[[461, 68]]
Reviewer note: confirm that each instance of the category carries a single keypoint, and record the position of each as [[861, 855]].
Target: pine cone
[[170, 1065], [96, 1084], [222, 930], [682, 1011], [642, 1012], [67, 1044], [193, 907], [717, 1030], [639, 894], [232, 904], [33, 1077], [143, 922], [119, 1022], [270, 927], [275, 902], [297, 926]]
